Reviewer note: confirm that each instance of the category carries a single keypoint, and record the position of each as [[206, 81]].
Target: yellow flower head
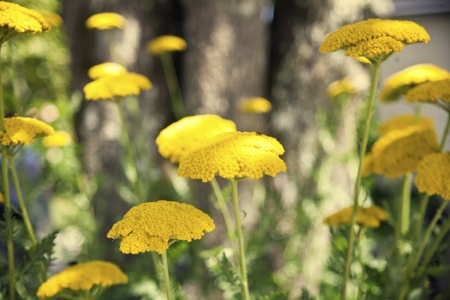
[[15, 19], [367, 216], [53, 19], [150, 226], [399, 151], [255, 105], [83, 276], [430, 92], [374, 38], [404, 121], [234, 154], [336, 88], [400, 83], [107, 87], [176, 140], [166, 43], [57, 139], [108, 68], [2, 198], [20, 130], [363, 60], [433, 175], [104, 21]]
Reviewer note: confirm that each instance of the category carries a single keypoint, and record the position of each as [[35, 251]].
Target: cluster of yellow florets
[[104, 21], [401, 122], [433, 175], [430, 92], [108, 68], [255, 105], [53, 19], [338, 87], [366, 216], [57, 139], [121, 85], [19, 130], [166, 43]]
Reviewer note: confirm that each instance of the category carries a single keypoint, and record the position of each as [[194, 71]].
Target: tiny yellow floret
[[403, 121], [104, 21], [20, 130], [433, 175], [338, 87], [255, 105], [57, 139], [430, 92], [108, 68], [366, 216], [108, 87], [53, 19], [165, 44]]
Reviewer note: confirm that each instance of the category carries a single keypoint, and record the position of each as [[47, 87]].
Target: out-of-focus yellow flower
[[366, 216], [338, 87], [363, 60], [151, 226], [53, 19], [374, 38], [57, 139], [166, 43], [19, 130], [255, 105], [400, 83], [108, 68], [2, 198], [234, 155], [433, 175], [430, 92], [107, 87], [177, 139], [83, 276], [104, 21], [404, 121]]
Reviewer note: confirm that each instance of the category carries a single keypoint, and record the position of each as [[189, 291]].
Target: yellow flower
[[53, 19], [104, 21], [2, 198], [166, 43], [430, 92], [400, 83], [363, 60], [108, 68], [23, 131], [57, 139], [367, 216], [234, 154], [255, 105], [401, 122], [374, 38], [83, 276], [433, 175], [107, 87], [176, 140], [336, 88], [151, 226], [15, 19]]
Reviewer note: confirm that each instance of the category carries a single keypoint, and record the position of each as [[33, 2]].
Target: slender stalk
[[359, 236], [166, 275], [429, 255], [406, 203], [173, 85], [445, 134], [223, 209], [240, 236], [423, 208], [362, 152]]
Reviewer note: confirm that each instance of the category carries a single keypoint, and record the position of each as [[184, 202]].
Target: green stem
[[166, 276], [362, 152], [360, 295], [173, 86], [240, 236], [423, 209], [406, 203], [223, 209], [445, 134], [429, 255]]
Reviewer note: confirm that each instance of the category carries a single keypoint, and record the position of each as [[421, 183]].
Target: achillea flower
[[177, 139], [19, 130], [166, 43], [404, 121], [400, 83], [366, 216], [108, 68], [234, 154], [338, 87], [433, 175], [53, 19], [57, 139], [374, 38], [107, 87], [104, 21], [430, 92], [83, 276], [150, 226], [255, 105]]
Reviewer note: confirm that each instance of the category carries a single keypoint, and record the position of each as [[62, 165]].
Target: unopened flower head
[[120, 85], [430, 92], [179, 138], [165, 44], [339, 87], [57, 139], [403, 121], [234, 155], [433, 175], [20, 130], [374, 38], [105, 21], [400, 83], [83, 276], [53, 19], [108, 68], [151, 226], [366, 216]]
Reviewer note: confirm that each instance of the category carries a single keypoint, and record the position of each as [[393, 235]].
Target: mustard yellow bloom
[[433, 175], [83, 276], [57, 139], [19, 130], [2, 198], [255, 105], [234, 154], [151, 226], [430, 92], [403, 121], [108, 68], [344, 85], [107, 87], [166, 43], [374, 38], [366, 216], [104, 21], [400, 83], [53, 19], [177, 139]]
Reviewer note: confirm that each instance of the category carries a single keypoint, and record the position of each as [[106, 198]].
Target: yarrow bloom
[[179, 138], [338, 87], [166, 43], [366, 216], [57, 139], [403, 121], [374, 38], [104, 21], [255, 105], [53, 19], [108, 68], [430, 92], [20, 130], [107, 87], [83, 276], [234, 155], [433, 175], [400, 83], [151, 226]]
